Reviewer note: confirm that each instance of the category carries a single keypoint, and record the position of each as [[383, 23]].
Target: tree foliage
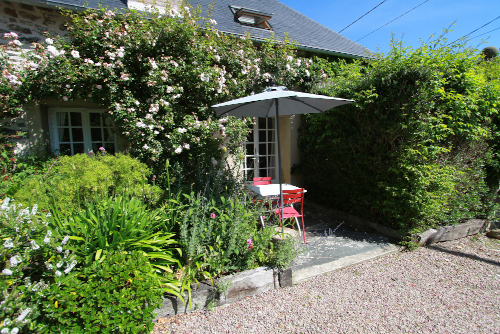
[[411, 151]]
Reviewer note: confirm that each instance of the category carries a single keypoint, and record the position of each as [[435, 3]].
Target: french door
[[260, 150]]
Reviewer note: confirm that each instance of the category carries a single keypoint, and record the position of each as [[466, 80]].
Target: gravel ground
[[450, 287]]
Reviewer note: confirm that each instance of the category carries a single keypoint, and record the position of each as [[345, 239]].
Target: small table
[[271, 192]]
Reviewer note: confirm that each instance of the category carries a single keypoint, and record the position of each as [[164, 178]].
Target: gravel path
[[451, 287]]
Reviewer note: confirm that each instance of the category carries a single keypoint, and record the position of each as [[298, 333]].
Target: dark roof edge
[[332, 53], [307, 48], [58, 4], [52, 4]]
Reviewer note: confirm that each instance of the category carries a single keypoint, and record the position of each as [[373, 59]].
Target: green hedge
[[410, 152]]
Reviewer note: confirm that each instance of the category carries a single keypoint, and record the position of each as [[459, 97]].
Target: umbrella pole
[[279, 164]]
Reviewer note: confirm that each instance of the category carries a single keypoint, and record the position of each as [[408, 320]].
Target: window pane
[[96, 146], [262, 136], [270, 135], [110, 148], [263, 172], [272, 173], [78, 148], [262, 149], [95, 119], [271, 162], [270, 123], [77, 134], [76, 119], [249, 175], [250, 149], [250, 162], [108, 121], [262, 123], [270, 149], [65, 149], [63, 134], [262, 162], [108, 134], [96, 134], [62, 119]]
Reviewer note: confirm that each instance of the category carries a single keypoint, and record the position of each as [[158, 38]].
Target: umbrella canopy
[[290, 103], [275, 102]]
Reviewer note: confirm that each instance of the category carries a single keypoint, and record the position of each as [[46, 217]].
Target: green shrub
[[411, 151], [46, 288], [34, 260], [218, 236], [82, 179], [219, 233], [119, 224], [284, 252], [117, 295]]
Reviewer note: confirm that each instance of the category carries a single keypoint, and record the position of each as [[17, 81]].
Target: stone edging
[[240, 285]]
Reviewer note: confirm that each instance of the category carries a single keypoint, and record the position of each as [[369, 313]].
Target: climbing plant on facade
[[158, 75]]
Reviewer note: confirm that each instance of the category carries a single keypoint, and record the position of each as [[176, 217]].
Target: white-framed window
[[260, 150], [79, 130]]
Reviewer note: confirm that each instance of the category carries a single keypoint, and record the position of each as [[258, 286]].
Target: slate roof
[[311, 35]]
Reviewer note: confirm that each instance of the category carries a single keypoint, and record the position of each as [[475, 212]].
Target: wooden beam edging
[[430, 236]]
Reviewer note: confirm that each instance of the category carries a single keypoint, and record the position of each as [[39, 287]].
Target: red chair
[[257, 181], [291, 197]]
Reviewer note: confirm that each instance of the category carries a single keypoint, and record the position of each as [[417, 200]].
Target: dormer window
[[252, 17]]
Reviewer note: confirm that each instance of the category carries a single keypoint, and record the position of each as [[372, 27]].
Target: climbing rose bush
[[158, 75]]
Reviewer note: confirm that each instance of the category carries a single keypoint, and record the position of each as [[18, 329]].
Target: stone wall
[[31, 23]]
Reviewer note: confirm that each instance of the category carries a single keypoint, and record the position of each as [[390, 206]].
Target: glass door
[[260, 150]]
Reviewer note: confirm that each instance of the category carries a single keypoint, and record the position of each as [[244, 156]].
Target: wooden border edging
[[445, 233], [453, 232]]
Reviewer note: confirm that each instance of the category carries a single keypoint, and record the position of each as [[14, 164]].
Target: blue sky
[[429, 18]]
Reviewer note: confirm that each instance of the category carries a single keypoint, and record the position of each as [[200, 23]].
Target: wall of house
[[30, 23], [290, 154]]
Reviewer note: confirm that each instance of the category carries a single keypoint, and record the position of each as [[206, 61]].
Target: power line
[[484, 25], [392, 20], [485, 33], [363, 16]]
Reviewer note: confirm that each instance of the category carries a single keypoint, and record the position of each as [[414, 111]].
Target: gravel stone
[[449, 287]]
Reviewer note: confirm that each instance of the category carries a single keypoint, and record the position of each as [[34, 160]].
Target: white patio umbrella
[[276, 102]]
